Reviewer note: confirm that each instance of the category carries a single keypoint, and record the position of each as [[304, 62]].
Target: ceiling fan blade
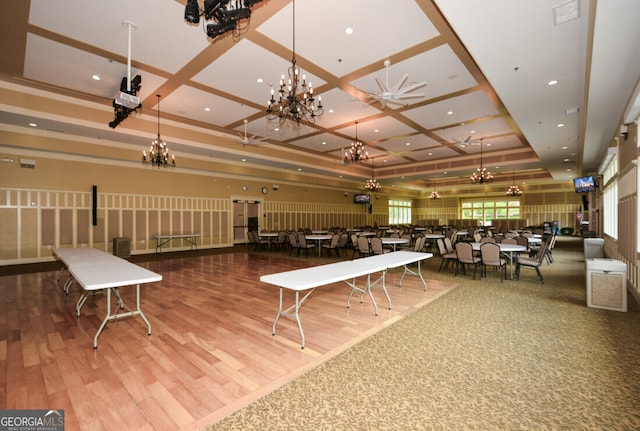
[[401, 82], [407, 96], [410, 88], [381, 85]]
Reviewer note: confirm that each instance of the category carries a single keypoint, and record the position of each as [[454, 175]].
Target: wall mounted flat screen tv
[[585, 184], [362, 199]]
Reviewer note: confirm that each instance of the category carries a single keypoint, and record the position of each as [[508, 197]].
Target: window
[[610, 199], [399, 212], [484, 211]]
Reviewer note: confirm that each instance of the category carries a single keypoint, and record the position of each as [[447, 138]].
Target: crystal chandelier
[[434, 194], [481, 175], [295, 97], [356, 153], [372, 185], [158, 152], [514, 190]]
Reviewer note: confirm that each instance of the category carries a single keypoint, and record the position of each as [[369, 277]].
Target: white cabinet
[[606, 284]]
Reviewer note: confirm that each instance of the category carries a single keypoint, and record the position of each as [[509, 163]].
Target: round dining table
[[394, 241], [318, 239]]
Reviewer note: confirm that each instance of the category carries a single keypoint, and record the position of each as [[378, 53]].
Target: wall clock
[[265, 190]]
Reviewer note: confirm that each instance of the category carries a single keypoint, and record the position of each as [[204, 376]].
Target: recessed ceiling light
[[207, 109], [564, 148], [260, 81], [376, 130], [348, 30], [244, 160], [407, 143], [552, 82], [430, 154], [96, 77], [330, 111], [277, 129], [32, 124], [449, 112], [566, 160], [299, 169], [561, 125], [324, 143]]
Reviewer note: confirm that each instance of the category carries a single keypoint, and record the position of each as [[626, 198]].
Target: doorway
[[246, 216]]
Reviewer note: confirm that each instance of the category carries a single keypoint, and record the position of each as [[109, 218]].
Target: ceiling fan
[[462, 143], [246, 139], [393, 95]]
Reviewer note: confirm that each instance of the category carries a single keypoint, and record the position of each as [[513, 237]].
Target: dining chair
[[446, 257], [533, 262], [363, 246], [376, 246], [464, 251], [490, 256], [332, 245], [449, 245], [293, 243], [303, 244], [344, 242]]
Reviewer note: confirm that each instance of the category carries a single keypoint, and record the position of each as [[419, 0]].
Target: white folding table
[[163, 239], [308, 279], [95, 270]]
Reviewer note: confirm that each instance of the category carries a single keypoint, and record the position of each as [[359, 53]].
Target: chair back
[[488, 239], [354, 241], [477, 237], [464, 250], [376, 245], [509, 241], [363, 245], [302, 241], [522, 240], [542, 251], [490, 254], [344, 239], [282, 237], [442, 249], [335, 240], [293, 240], [419, 244], [448, 245]]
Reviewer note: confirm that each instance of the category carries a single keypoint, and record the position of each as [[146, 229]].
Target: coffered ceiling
[[486, 64]]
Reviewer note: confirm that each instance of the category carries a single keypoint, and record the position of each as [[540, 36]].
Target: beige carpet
[[517, 355]]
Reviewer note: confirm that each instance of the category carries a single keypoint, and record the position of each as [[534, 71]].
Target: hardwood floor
[[210, 353]]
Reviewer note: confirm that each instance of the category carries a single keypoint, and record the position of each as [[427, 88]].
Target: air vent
[[566, 11]]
